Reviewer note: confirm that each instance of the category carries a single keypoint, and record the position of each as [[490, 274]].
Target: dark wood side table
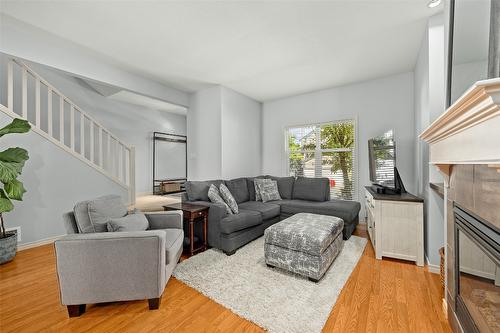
[[192, 213]]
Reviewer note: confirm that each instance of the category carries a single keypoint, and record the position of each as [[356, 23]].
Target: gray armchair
[[117, 266]]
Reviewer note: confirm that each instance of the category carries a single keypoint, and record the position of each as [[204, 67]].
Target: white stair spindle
[[49, 111], [10, 86], [82, 133], [24, 93], [108, 153], [37, 104], [132, 176], [91, 142], [120, 162], [101, 161], [61, 119], [72, 127]]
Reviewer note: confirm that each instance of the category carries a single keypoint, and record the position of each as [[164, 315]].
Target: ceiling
[[265, 50]]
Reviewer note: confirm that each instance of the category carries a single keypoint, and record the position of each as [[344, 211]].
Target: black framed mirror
[[169, 163]]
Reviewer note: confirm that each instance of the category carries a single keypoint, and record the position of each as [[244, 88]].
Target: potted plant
[[11, 165]]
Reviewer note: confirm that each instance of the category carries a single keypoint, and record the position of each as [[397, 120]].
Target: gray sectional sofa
[[299, 195]]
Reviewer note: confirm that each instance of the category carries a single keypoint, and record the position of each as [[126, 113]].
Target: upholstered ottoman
[[304, 243]]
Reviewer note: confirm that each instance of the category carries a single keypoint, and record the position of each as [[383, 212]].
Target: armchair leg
[[154, 303], [76, 310]]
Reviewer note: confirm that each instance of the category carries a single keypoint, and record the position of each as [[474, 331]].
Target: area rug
[[275, 300]]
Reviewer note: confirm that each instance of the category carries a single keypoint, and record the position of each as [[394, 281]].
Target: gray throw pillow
[[132, 222], [214, 196], [228, 198], [257, 183], [104, 209], [269, 191]]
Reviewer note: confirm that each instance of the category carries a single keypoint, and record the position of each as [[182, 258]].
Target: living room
[[281, 166]]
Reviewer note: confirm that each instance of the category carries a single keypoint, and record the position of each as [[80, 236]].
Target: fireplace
[[477, 268]]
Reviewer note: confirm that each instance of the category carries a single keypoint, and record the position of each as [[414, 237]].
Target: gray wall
[[204, 135], [429, 104], [224, 135], [55, 181], [241, 135], [132, 124], [377, 105]]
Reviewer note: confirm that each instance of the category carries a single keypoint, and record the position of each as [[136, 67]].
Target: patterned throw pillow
[[228, 198], [269, 191], [257, 182], [214, 196]]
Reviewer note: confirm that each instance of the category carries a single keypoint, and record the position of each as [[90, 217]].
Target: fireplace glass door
[[478, 297]]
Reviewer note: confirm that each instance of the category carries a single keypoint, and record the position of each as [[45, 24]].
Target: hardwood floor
[[380, 296]]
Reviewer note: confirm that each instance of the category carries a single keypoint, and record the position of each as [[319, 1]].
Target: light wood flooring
[[380, 296]]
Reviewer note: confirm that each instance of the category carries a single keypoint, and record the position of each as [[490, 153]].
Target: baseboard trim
[[30, 245], [435, 269]]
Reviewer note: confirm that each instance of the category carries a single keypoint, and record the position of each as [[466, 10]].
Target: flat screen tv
[[382, 158]]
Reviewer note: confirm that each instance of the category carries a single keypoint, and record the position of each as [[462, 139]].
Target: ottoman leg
[[313, 280], [270, 266]]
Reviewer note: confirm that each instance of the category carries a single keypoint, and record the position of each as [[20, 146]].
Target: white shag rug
[[276, 300]]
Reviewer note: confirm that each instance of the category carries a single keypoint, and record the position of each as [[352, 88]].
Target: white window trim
[[355, 150]]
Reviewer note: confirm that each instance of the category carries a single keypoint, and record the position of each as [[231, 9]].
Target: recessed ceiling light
[[434, 3]]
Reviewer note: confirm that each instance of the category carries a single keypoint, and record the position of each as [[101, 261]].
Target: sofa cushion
[[243, 220], [131, 222], [103, 209], [257, 183], [251, 187], [174, 242], [228, 198], [285, 186], [346, 210], [198, 190], [81, 212], [239, 189], [269, 191], [214, 196], [267, 210], [312, 189]]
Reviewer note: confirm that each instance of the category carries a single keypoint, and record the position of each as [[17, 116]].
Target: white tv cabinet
[[395, 225]]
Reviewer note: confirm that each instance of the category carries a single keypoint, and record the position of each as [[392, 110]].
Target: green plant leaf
[[11, 163], [9, 171], [16, 126], [18, 155], [5, 203], [15, 190]]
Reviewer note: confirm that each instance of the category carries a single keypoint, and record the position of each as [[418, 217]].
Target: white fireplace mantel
[[469, 131]]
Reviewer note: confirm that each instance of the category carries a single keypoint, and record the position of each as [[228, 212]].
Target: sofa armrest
[[165, 220], [111, 266]]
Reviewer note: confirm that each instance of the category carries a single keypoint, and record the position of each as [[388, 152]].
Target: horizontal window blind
[[324, 150]]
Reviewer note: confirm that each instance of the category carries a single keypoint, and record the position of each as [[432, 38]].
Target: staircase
[[57, 119]]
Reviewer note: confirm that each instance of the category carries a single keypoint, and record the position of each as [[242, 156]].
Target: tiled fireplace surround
[[477, 189]]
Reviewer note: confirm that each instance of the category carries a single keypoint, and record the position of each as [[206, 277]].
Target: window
[[325, 150]]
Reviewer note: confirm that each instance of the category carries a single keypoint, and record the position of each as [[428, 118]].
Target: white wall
[[241, 135], [429, 104], [224, 139], [25, 41], [132, 124], [204, 135], [55, 181], [465, 74], [378, 105]]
